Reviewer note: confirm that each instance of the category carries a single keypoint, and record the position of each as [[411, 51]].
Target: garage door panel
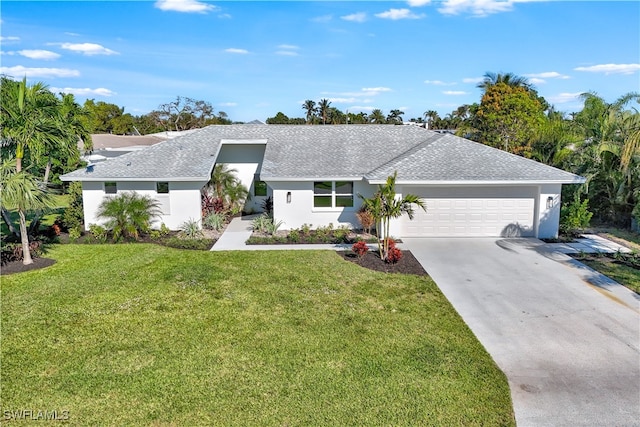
[[471, 216]]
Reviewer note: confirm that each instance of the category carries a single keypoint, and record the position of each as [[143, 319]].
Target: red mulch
[[19, 267], [408, 264]]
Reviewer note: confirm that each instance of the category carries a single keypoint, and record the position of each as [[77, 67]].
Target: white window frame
[[334, 195]]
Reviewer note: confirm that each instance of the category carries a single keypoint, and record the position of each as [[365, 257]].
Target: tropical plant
[[360, 248], [265, 224], [128, 214], [73, 215], [323, 109], [310, 107], [21, 191], [366, 220], [190, 229], [225, 186], [215, 221], [575, 216], [377, 116], [385, 206]]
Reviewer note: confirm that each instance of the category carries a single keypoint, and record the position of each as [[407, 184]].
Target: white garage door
[[472, 213]]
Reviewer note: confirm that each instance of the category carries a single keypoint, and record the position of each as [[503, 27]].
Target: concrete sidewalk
[[589, 244]]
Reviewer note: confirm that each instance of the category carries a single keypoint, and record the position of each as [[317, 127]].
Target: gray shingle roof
[[304, 152]]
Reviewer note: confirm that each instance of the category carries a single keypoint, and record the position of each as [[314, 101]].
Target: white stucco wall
[[181, 204], [549, 218], [301, 210]]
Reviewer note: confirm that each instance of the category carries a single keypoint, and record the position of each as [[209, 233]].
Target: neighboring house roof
[[306, 152], [103, 141]]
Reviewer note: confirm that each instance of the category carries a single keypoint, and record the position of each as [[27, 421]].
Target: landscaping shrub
[[98, 232], [393, 253], [215, 221], [73, 215], [194, 244], [190, 229], [360, 248], [265, 224], [13, 251], [575, 216], [128, 214], [366, 220]]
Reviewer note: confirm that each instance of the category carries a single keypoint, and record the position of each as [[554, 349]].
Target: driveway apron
[[570, 351]]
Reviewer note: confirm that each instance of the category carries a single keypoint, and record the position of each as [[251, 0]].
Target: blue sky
[[253, 59]]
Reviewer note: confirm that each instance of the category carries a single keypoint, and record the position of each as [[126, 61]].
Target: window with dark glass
[[330, 194], [110, 188], [259, 188], [162, 187]]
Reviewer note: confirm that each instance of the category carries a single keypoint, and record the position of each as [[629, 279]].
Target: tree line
[[42, 135]]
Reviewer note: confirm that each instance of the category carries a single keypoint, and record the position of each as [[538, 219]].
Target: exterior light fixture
[[549, 202], [288, 196]]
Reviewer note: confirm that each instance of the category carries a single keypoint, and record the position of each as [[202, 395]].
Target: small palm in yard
[[128, 214]]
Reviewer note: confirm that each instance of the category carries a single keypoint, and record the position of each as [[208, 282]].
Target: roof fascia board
[[311, 179], [240, 141], [121, 179], [578, 180]]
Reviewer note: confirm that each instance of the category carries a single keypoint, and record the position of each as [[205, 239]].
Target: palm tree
[[128, 214], [21, 191], [310, 107], [510, 79], [323, 109], [609, 156], [225, 186], [377, 117], [29, 119], [432, 117], [384, 206], [395, 117]]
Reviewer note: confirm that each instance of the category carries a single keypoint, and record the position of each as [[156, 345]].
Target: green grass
[[623, 274], [148, 335], [61, 203]]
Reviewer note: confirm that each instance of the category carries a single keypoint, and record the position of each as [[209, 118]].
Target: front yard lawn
[[608, 265], [148, 335]]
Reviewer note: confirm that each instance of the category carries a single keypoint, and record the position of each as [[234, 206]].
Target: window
[[333, 194], [110, 188], [162, 187], [259, 188]]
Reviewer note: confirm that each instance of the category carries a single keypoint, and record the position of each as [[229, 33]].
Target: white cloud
[[322, 19], [88, 49], [343, 100], [396, 14], [286, 53], [478, 8], [20, 71], [228, 104], [187, 6], [611, 68], [376, 89], [39, 54], [288, 46], [355, 17], [563, 98], [548, 75], [454, 92], [83, 91], [537, 81], [9, 39], [472, 79], [234, 50], [438, 83], [418, 3]]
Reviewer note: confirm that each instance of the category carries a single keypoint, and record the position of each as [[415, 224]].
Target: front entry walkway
[[570, 350], [239, 230]]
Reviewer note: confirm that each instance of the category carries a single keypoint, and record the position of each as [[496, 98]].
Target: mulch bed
[[19, 267], [408, 264]]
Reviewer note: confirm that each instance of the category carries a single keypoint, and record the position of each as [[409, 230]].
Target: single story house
[[314, 175]]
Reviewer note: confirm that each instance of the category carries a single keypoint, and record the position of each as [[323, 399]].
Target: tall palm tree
[[310, 107], [432, 117], [323, 109], [29, 119], [377, 117], [510, 79], [21, 191]]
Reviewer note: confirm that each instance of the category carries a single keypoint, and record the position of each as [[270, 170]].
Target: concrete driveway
[[570, 350]]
